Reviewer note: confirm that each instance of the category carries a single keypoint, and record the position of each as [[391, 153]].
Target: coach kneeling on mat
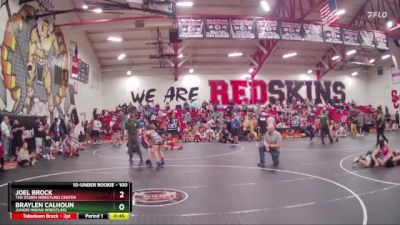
[[272, 143]]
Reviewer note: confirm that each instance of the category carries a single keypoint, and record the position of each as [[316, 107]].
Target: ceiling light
[[351, 52], [336, 57], [265, 6], [340, 12], [288, 55], [309, 71], [235, 54], [385, 56], [184, 4], [180, 56], [114, 39], [191, 70], [121, 56], [389, 24], [97, 10], [84, 6], [354, 74], [371, 61], [251, 70], [128, 72]]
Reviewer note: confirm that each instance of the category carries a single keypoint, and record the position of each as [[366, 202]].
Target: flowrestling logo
[[158, 197], [376, 14]]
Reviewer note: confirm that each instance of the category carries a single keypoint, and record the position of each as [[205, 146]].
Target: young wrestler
[[156, 144], [170, 144], [380, 157]]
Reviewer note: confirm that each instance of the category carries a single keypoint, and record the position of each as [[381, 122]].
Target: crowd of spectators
[[24, 146], [189, 123], [231, 123]]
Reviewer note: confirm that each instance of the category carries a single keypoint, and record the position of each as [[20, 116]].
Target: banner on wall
[[312, 32], [367, 39], [217, 28], [191, 27], [243, 28], [381, 40], [248, 28], [268, 29], [240, 91], [396, 76], [291, 31], [333, 35], [350, 37]]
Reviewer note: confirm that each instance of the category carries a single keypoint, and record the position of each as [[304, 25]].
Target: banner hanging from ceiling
[[312, 32], [243, 28], [268, 29], [191, 28], [217, 28], [291, 31], [261, 29]]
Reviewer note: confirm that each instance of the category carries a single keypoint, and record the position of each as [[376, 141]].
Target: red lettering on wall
[[262, 99], [218, 88], [238, 91], [395, 99]]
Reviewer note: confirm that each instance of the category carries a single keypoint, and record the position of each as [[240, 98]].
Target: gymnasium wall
[[118, 87]]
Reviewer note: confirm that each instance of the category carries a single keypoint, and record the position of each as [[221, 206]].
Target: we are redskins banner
[[256, 92]]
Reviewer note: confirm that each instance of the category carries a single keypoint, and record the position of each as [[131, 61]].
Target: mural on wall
[[34, 63], [395, 99], [239, 91]]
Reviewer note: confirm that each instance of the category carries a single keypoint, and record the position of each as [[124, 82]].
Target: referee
[[271, 144], [131, 127]]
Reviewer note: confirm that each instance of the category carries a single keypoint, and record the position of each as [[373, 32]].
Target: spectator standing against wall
[[361, 123], [6, 137]]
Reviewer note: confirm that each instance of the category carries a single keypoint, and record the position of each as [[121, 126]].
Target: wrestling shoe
[[262, 165], [355, 160], [148, 163]]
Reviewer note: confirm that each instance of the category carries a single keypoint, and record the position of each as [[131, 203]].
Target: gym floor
[[314, 184]]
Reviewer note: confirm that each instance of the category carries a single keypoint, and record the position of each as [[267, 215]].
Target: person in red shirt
[[116, 130]]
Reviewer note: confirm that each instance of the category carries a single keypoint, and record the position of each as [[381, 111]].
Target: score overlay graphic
[[70, 200]]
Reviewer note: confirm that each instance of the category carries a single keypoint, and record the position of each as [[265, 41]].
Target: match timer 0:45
[[70, 200]]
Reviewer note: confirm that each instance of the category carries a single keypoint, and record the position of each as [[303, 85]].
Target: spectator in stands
[[361, 123], [235, 128], [353, 125], [96, 131], [24, 158], [6, 137], [380, 129], [39, 133], [310, 131], [262, 125], [397, 120], [324, 127], [55, 129], [17, 131], [63, 129], [1, 156]]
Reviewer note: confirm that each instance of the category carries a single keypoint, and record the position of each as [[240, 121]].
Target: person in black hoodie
[[380, 129]]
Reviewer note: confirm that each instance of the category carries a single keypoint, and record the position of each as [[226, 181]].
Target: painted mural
[[34, 65]]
